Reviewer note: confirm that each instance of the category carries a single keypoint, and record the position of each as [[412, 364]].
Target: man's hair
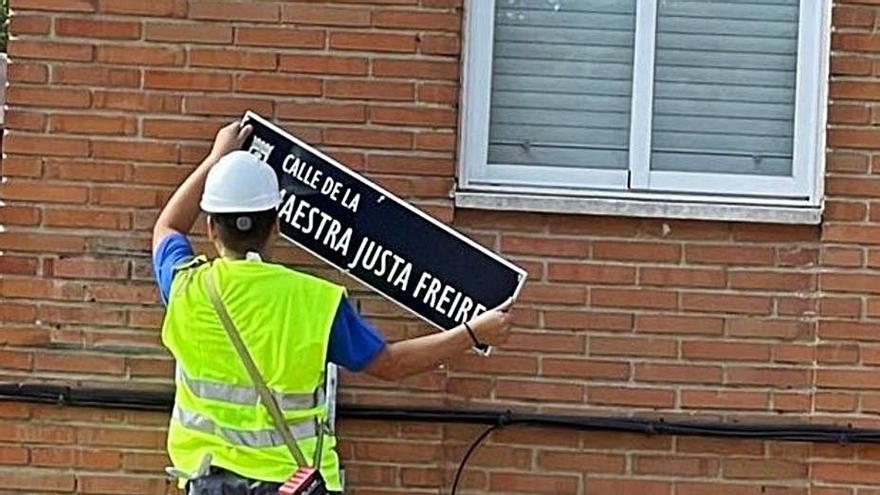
[[243, 232]]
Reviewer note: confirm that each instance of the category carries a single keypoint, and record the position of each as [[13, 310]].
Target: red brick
[[368, 138], [172, 8], [17, 71], [500, 482], [850, 282], [726, 303], [584, 368], [85, 170], [17, 166], [187, 81], [232, 59], [435, 44], [696, 325], [140, 197], [410, 20], [105, 484], [42, 97], [26, 121], [585, 462], [30, 24], [853, 16], [278, 84], [280, 37], [591, 273], [19, 215], [54, 5], [705, 399], [370, 90], [86, 218], [422, 117], [415, 69], [619, 486], [437, 93], [373, 42], [724, 351], [92, 124], [321, 64], [180, 128], [143, 150], [675, 466], [768, 377], [41, 192], [725, 255], [545, 246], [137, 101], [50, 50], [90, 28], [234, 11], [630, 397], [845, 330], [682, 277], [848, 473], [42, 480], [12, 456], [677, 373], [539, 391], [775, 281], [321, 112], [847, 379], [188, 33], [79, 363], [586, 320], [862, 234], [632, 346], [90, 75], [325, 16], [18, 265], [634, 298], [225, 105], [45, 145], [854, 138], [140, 55]]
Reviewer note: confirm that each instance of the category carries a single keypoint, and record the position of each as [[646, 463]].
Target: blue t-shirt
[[354, 343]]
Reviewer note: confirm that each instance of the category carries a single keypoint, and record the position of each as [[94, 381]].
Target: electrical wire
[[468, 454], [163, 400]]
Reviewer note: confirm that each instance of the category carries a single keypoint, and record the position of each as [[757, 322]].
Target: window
[[717, 102]]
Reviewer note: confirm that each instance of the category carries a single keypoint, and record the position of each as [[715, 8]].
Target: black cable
[[162, 400], [470, 451]]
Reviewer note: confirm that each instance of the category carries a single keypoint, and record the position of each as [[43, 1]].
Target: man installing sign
[[221, 439]]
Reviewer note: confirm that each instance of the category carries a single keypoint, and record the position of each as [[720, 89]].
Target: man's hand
[[493, 326], [229, 139]]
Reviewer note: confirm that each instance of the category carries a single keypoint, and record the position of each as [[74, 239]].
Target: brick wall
[[111, 104]]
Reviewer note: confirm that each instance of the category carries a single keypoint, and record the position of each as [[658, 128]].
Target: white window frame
[[640, 191]]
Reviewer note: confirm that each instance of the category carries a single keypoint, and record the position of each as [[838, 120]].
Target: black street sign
[[377, 238]]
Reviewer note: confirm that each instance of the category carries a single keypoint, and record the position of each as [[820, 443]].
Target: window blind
[[562, 83], [724, 86]]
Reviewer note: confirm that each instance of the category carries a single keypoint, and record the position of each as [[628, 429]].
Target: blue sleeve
[[173, 250], [354, 343]]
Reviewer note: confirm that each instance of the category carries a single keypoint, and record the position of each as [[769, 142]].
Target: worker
[[221, 440]]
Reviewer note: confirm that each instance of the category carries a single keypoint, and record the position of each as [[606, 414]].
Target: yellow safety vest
[[284, 318]]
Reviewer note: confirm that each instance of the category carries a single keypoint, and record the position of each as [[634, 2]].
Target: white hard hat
[[240, 183]]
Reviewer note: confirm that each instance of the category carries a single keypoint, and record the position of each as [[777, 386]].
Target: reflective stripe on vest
[[247, 395], [248, 438]]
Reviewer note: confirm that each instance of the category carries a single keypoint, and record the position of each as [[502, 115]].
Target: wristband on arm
[[470, 332]]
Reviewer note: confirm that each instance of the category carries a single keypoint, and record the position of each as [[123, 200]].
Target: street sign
[[387, 244]]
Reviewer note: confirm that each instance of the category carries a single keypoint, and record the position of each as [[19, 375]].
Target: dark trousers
[[222, 482]]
